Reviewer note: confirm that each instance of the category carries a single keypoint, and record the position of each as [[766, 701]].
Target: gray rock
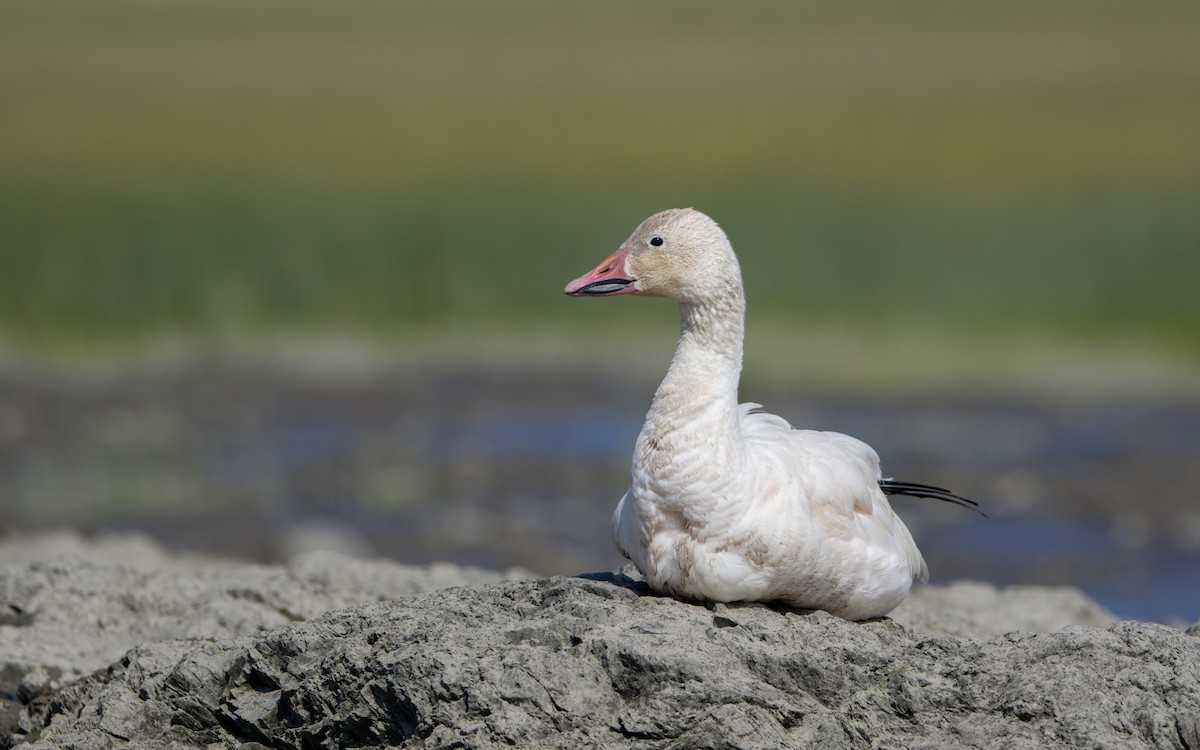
[[115, 642], [971, 609], [69, 607], [597, 662], [127, 549]]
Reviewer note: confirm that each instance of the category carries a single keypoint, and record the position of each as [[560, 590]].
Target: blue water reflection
[[500, 471]]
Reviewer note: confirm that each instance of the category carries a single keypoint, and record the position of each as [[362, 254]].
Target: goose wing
[[835, 480]]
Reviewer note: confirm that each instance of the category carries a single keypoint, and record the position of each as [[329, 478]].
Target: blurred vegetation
[[220, 168]]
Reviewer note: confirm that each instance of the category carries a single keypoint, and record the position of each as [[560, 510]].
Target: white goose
[[730, 504]]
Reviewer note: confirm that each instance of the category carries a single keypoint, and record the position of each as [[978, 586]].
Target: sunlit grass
[[209, 169]]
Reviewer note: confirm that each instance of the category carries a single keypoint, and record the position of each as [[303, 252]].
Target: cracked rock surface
[[70, 606], [593, 661]]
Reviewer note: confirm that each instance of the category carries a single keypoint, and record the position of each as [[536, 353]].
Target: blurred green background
[[996, 182]]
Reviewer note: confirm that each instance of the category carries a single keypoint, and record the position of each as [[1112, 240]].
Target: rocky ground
[[116, 643]]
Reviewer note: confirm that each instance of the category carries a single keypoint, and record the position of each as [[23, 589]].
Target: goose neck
[[702, 382]]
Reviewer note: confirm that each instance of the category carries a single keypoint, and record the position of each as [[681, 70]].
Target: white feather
[[728, 503]]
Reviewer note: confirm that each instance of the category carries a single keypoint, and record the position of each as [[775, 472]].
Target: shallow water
[[507, 469]]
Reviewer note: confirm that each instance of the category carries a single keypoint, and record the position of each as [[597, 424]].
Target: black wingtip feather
[[912, 489]]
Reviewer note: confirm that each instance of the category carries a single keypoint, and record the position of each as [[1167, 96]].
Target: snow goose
[[727, 503]]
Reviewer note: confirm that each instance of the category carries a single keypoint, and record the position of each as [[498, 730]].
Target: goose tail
[[912, 489]]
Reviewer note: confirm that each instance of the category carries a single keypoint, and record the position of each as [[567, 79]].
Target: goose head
[[679, 253]]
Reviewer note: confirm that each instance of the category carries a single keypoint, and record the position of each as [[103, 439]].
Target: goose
[[727, 502]]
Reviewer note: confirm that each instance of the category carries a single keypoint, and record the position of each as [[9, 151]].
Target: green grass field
[[211, 169]]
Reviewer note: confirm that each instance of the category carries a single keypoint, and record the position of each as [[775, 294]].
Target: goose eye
[[657, 241]]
